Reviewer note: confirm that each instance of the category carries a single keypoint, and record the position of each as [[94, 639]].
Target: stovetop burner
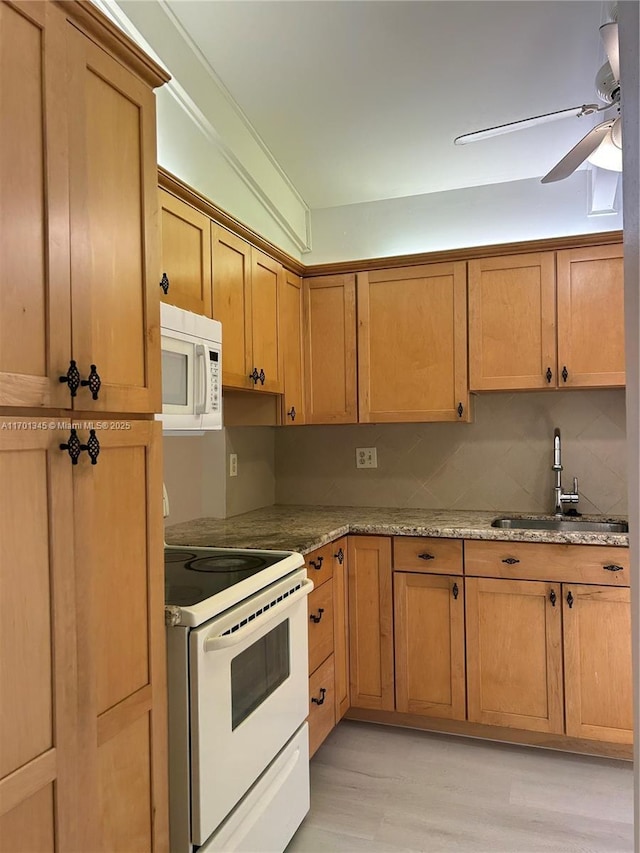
[[193, 575]]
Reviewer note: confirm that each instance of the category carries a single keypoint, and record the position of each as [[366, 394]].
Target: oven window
[[174, 378], [258, 671]]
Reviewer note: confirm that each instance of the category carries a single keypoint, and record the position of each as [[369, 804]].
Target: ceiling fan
[[602, 145]]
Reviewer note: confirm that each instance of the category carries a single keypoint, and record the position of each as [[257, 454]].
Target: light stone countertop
[[305, 528]]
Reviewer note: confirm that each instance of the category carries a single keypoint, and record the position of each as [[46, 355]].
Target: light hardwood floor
[[384, 790]]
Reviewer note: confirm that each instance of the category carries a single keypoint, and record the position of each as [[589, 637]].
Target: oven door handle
[[225, 641]]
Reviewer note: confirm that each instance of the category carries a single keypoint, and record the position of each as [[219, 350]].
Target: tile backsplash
[[500, 462]]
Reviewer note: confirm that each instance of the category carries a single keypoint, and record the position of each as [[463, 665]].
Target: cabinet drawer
[[320, 625], [320, 564], [322, 711], [427, 554], [601, 564]]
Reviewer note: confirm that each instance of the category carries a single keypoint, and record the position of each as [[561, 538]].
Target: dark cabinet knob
[[72, 378], [319, 701], [340, 556], [613, 568], [317, 564], [455, 591], [164, 283], [93, 382], [74, 447], [317, 618], [262, 376], [292, 413], [254, 375], [549, 374], [460, 410], [553, 597], [510, 561], [426, 556], [565, 373], [570, 599]]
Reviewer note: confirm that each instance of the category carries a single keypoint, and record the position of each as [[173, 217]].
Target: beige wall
[[196, 473], [500, 462]]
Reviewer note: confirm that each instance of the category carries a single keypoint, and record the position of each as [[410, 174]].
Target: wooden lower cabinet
[[429, 645], [328, 640], [514, 654], [597, 657], [83, 737], [371, 622], [322, 711]]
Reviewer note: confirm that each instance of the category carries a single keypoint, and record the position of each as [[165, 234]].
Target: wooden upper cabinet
[[114, 228], [412, 344], [591, 317], [293, 409], [231, 258], [246, 294], [186, 255], [35, 315], [514, 654], [512, 330], [330, 349], [266, 285], [597, 654]]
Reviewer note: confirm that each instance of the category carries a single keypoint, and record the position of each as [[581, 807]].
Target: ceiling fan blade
[[609, 33], [584, 109], [578, 153]]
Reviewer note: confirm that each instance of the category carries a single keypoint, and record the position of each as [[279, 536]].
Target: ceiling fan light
[[607, 155]]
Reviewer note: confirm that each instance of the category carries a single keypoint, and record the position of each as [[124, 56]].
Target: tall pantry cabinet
[[82, 664]]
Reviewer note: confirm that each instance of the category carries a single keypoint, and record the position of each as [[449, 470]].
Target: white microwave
[[191, 371]]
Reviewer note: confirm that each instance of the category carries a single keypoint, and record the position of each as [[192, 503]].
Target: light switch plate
[[366, 457]]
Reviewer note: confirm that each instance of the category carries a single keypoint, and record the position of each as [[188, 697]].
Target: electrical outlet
[[366, 457], [233, 464]]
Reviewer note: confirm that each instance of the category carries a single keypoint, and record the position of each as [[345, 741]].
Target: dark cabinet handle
[[549, 374], [426, 556], [262, 376], [460, 410], [292, 413], [570, 599], [455, 590], [74, 448], [164, 283], [319, 701], [317, 618], [254, 375], [317, 565], [553, 597], [613, 568], [93, 382], [565, 373], [72, 378], [510, 561], [340, 556]]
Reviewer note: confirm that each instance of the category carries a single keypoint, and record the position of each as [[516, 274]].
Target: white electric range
[[238, 698]]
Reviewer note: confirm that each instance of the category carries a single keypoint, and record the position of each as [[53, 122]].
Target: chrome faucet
[[559, 496]]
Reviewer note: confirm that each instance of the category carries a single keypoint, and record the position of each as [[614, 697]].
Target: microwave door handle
[[203, 406], [225, 641]]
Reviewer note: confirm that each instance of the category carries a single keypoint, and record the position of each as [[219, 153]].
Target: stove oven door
[[248, 684]]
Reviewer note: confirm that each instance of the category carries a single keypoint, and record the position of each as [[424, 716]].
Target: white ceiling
[[360, 101]]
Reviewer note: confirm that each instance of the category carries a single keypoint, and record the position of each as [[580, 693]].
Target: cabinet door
[[39, 770], [591, 317], [35, 328], [341, 626], [512, 331], [514, 654], [429, 645], [121, 657], [232, 304], [291, 343], [412, 344], [266, 284], [186, 255], [371, 622], [330, 349], [114, 227], [597, 658]]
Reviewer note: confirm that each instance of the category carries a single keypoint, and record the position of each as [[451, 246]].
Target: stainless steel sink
[[575, 525]]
